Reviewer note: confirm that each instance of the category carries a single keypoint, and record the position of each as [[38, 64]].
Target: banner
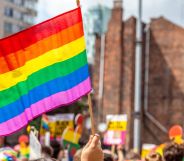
[[57, 124], [116, 129], [35, 147]]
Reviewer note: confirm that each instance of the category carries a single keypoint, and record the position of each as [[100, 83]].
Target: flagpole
[[78, 2], [93, 131]]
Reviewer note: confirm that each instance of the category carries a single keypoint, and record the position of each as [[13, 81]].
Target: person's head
[[47, 151], [23, 141], [132, 155], [61, 154], [108, 156], [154, 157], [56, 147], [173, 152]]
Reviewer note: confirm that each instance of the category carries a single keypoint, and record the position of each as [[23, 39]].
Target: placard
[[57, 124], [35, 147], [116, 129]]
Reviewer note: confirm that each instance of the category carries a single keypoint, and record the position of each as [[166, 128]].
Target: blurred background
[[115, 34]]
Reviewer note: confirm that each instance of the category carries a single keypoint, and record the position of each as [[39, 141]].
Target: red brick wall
[[166, 78], [127, 89], [113, 63]]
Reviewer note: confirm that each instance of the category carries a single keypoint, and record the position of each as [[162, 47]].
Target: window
[[17, 15], [18, 2], [11, 1], [8, 28], [8, 12]]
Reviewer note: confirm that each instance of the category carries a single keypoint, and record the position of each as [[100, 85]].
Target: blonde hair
[[154, 157]]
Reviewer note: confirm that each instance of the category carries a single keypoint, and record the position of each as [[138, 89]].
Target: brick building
[[162, 74]]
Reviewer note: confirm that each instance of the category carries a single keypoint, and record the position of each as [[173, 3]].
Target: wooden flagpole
[[93, 131], [78, 2]]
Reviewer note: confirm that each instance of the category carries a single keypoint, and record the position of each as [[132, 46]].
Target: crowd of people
[[93, 151]]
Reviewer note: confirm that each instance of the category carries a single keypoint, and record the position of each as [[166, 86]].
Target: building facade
[[162, 75], [16, 15]]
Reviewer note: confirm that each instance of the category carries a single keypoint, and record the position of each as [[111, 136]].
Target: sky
[[171, 9]]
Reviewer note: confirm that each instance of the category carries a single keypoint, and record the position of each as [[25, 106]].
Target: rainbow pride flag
[[45, 122], [42, 68]]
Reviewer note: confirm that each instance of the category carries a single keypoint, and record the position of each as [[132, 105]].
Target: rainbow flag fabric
[[42, 68]]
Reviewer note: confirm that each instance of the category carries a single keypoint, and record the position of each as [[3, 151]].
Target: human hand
[[119, 147], [120, 152], [92, 151]]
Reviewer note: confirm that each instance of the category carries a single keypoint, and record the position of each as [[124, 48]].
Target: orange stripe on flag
[[19, 58]]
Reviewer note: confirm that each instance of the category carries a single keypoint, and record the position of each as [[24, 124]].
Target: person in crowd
[[92, 151], [108, 156], [47, 152], [154, 157], [61, 155], [173, 152], [23, 147], [132, 155], [120, 153], [56, 147]]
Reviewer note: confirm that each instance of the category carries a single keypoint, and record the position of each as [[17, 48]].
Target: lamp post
[[138, 81]]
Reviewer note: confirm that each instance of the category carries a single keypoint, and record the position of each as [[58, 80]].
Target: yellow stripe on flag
[[57, 55]]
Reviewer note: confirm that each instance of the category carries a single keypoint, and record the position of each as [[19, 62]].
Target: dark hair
[[108, 157], [47, 150], [56, 146], [173, 152]]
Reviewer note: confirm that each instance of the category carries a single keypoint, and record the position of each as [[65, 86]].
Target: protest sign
[[35, 147], [71, 136], [57, 124], [116, 129]]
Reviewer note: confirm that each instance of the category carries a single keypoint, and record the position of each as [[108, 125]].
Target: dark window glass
[[8, 28], [8, 12]]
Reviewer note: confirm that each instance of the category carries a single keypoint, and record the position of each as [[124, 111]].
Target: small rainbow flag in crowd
[[42, 68], [45, 122]]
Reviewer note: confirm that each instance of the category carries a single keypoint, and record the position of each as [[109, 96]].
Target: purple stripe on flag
[[45, 105]]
